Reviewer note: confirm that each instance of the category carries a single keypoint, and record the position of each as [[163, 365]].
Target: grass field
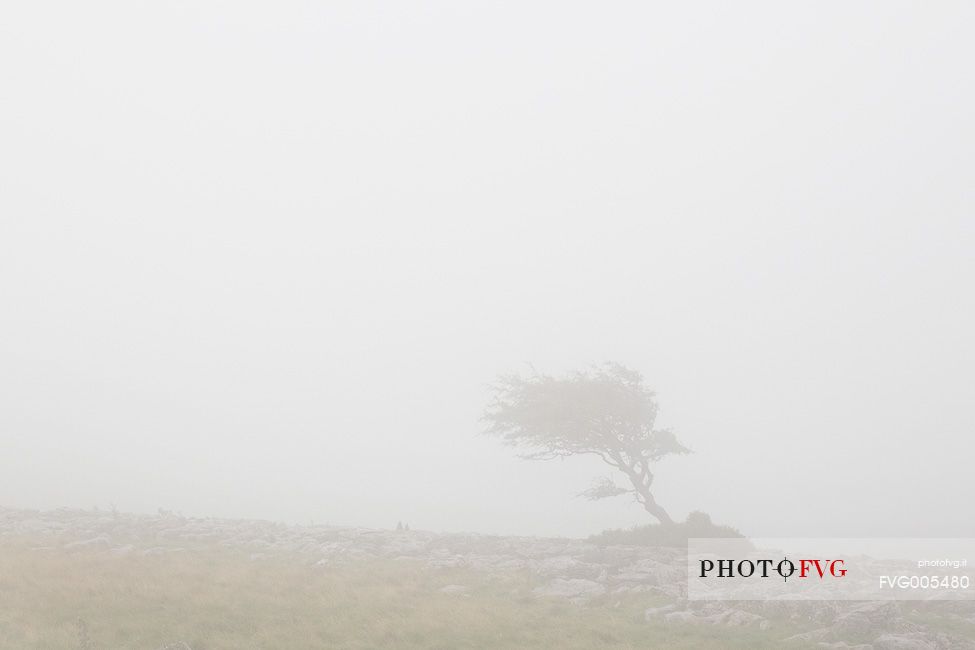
[[221, 599]]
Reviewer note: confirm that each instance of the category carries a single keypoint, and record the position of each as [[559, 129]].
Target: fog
[[265, 259]]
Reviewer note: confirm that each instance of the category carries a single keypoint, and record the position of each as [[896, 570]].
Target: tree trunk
[[657, 511], [641, 484]]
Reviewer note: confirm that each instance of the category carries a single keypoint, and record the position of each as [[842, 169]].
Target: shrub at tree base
[[698, 524]]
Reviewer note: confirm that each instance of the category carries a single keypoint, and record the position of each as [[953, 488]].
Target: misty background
[[264, 259]]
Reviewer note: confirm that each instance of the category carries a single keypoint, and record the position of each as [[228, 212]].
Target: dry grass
[[220, 599]]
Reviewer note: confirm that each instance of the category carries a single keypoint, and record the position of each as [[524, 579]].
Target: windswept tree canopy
[[605, 411]]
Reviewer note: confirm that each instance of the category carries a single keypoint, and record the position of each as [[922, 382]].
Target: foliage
[[604, 411]]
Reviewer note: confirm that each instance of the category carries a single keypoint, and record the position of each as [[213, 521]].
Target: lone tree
[[605, 411]]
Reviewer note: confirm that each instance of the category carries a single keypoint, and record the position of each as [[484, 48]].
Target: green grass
[[938, 616], [219, 599]]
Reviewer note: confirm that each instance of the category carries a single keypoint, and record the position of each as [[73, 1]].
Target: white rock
[[575, 589]]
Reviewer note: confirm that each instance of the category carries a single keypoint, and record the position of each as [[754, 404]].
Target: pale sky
[[263, 259]]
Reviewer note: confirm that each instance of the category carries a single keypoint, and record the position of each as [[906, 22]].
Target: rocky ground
[[575, 570]]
